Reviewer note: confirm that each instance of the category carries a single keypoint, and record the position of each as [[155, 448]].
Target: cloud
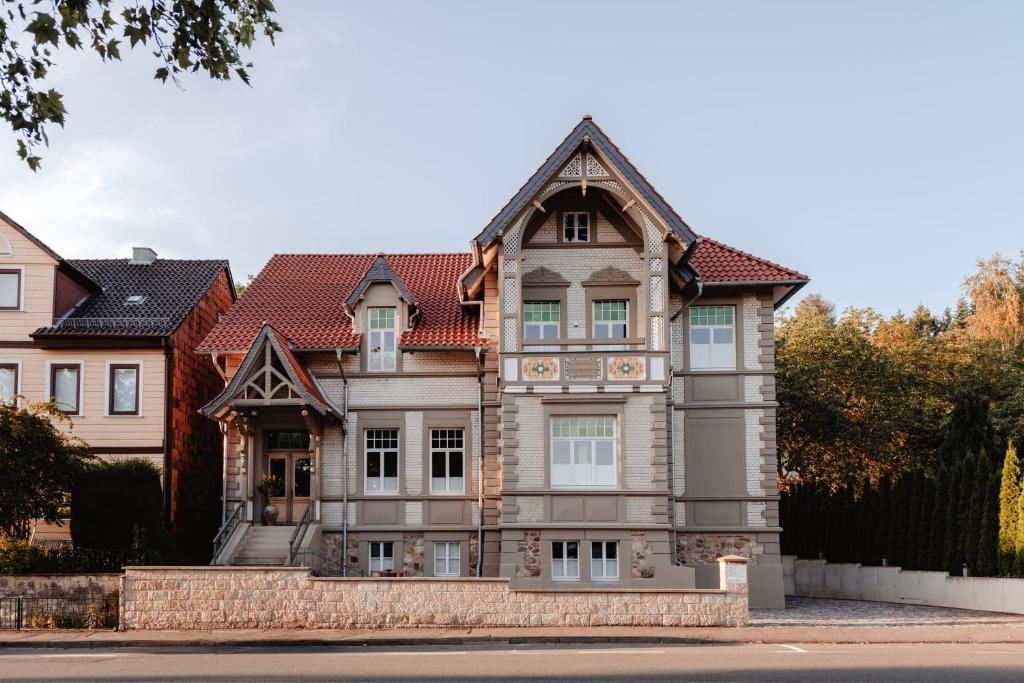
[[98, 200]]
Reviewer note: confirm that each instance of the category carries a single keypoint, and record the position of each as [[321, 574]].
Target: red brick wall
[[195, 383]]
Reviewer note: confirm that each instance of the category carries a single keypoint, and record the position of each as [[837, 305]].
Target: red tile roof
[[717, 262], [303, 297]]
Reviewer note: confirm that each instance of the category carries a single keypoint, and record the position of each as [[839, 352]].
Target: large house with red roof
[[585, 398]]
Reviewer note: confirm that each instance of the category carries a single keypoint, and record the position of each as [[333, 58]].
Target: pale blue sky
[[876, 146]]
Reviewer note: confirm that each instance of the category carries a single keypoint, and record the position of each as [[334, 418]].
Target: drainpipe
[[224, 472], [344, 465], [480, 469]]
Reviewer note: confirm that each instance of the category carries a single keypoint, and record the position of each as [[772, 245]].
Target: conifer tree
[[912, 530], [953, 545], [937, 538], [882, 521], [897, 511], [1009, 501], [976, 520], [988, 551], [1018, 564], [968, 539], [926, 512]]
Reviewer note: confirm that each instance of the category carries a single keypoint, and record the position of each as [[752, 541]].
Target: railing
[[225, 531], [298, 534], [113, 322], [323, 565], [56, 612]]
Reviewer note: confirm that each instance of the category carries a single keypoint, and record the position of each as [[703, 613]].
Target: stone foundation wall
[[59, 585], [196, 598], [707, 548]]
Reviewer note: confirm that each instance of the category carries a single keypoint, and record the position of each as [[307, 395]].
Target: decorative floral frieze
[[627, 367], [540, 368]]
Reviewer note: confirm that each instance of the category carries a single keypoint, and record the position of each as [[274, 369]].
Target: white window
[[583, 452], [713, 338], [610, 322], [447, 559], [382, 339], [576, 226], [446, 461], [8, 382], [604, 561], [382, 556], [10, 289], [541, 321], [565, 560], [381, 461], [66, 387]]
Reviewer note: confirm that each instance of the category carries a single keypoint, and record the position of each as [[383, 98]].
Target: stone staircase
[[264, 546]]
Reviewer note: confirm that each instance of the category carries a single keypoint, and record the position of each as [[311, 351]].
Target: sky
[[875, 146]]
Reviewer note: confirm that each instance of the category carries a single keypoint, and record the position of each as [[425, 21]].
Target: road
[[901, 662]]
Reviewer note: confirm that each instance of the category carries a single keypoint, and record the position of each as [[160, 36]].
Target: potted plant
[[270, 485]]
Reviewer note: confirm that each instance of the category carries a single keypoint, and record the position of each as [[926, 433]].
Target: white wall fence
[[819, 579]]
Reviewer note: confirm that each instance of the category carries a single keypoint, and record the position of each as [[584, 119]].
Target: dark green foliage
[[183, 35], [115, 505], [987, 563], [976, 513], [936, 560], [954, 549], [19, 557], [38, 464], [199, 512]]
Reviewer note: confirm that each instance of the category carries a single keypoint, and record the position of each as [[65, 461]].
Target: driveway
[[821, 612]]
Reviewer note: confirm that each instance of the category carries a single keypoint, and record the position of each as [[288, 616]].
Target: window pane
[[611, 550], [437, 462], [455, 464], [303, 469], [532, 331], [8, 377], [582, 449], [582, 235], [382, 318], [391, 464], [701, 335], [582, 220], [557, 550], [723, 335], [65, 388], [278, 468], [9, 289], [572, 549], [373, 465], [124, 386], [595, 551]]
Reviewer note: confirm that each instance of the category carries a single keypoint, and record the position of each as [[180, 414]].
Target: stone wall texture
[[196, 598]]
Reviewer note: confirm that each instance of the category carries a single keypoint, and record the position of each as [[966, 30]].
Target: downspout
[[344, 465], [168, 344], [480, 468], [224, 472]]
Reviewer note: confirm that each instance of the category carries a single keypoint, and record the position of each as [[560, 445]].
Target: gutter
[[480, 468]]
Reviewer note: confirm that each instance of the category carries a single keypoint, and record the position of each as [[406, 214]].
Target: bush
[[117, 506], [19, 557]]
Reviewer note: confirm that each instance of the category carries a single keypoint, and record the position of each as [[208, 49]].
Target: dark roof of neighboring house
[[304, 297], [551, 166], [171, 288], [718, 262]]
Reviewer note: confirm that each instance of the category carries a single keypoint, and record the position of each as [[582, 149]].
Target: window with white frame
[[447, 461], [713, 337], [381, 461], [382, 556], [576, 226], [610, 322], [10, 289], [565, 560], [8, 382], [541, 321], [583, 452], [604, 560], [447, 558], [381, 324]]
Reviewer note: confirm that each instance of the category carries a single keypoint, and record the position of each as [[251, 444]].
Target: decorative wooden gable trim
[[610, 276], [270, 375], [544, 276]]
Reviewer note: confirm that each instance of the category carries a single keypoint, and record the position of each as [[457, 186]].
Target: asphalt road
[[912, 662]]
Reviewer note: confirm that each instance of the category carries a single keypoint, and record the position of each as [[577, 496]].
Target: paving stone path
[[854, 613]]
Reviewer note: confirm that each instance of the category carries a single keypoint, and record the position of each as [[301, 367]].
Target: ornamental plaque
[[583, 368], [627, 367], [540, 368]]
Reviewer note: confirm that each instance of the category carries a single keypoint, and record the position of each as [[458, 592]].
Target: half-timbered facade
[[585, 397]]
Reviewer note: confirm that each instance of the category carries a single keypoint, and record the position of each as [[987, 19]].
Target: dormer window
[[576, 226], [382, 339], [134, 300]]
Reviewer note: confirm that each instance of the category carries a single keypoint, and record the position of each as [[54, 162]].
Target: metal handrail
[[225, 531], [298, 534]]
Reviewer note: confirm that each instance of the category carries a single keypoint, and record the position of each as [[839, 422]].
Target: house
[[111, 341], [586, 397]]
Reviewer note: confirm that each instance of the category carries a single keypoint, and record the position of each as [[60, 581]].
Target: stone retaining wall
[[59, 585], [193, 598]]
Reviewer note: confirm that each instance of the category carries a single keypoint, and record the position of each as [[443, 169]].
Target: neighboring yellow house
[[111, 340]]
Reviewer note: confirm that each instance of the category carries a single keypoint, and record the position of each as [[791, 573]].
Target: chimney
[[143, 256]]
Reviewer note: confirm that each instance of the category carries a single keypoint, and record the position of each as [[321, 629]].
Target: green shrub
[[19, 557], [117, 505]]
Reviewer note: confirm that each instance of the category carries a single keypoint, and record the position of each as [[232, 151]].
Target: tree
[[38, 463], [988, 556], [979, 484], [1009, 499], [184, 35], [996, 292], [117, 505], [939, 519], [954, 556]]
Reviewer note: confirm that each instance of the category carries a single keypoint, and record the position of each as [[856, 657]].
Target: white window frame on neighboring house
[[542, 322], [577, 441], [16, 364], [379, 444], [571, 227], [447, 447], [113, 364], [563, 566], [712, 337], [379, 560], [447, 554], [20, 293], [604, 565], [80, 408], [382, 341]]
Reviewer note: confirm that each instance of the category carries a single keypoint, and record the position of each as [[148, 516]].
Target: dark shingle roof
[[171, 289]]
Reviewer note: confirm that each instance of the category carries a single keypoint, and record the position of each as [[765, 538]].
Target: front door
[[294, 469]]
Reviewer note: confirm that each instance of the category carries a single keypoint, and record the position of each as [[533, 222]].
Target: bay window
[[713, 337]]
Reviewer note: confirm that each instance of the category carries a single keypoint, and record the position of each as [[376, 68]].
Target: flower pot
[[270, 515]]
